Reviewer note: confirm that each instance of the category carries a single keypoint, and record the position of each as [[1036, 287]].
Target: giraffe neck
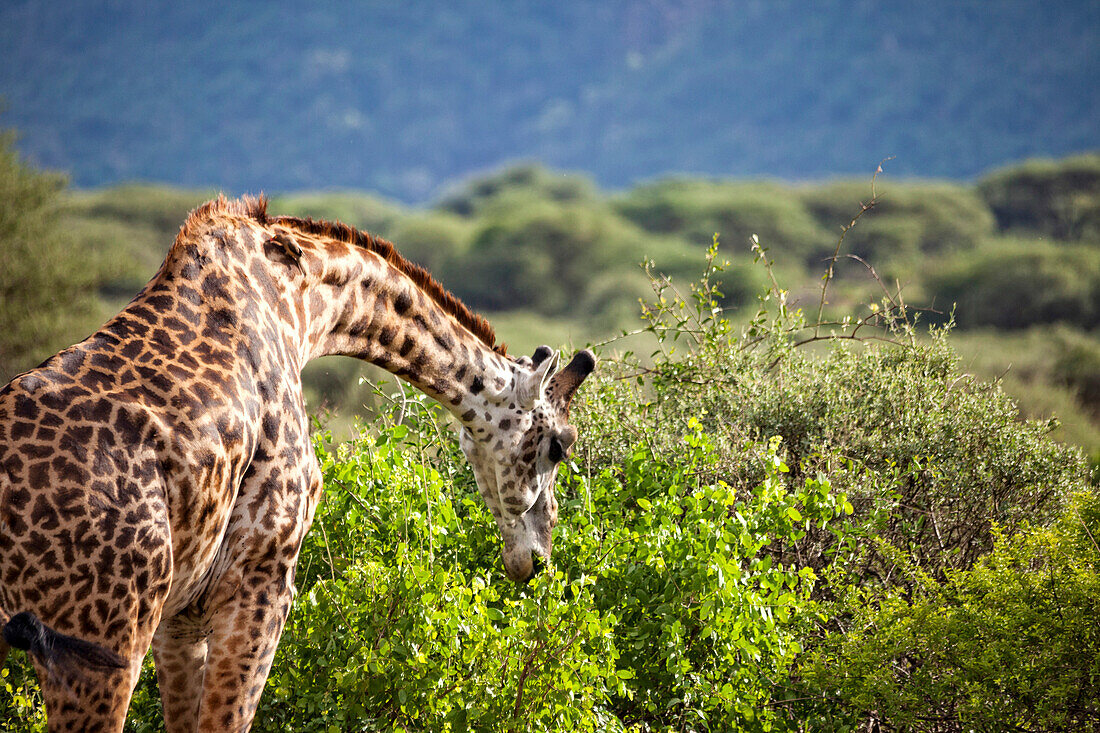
[[361, 305], [316, 289]]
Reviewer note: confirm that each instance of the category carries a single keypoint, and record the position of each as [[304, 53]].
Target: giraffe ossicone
[[156, 479]]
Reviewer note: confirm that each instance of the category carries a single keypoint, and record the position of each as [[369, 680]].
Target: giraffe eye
[[557, 451]]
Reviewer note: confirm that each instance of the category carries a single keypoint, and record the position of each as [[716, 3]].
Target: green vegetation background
[[549, 258], [898, 532]]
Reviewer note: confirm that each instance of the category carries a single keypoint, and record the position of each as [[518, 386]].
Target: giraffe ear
[[565, 383], [541, 353], [532, 385]]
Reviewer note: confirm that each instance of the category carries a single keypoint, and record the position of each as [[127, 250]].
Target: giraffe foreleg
[[111, 616], [89, 703], [95, 697]]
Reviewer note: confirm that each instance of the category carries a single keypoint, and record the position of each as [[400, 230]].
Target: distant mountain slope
[[403, 98]]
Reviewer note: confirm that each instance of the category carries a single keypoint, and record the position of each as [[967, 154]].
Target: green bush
[[929, 456], [1016, 284], [695, 210], [515, 187], [1053, 198], [661, 608], [908, 221], [708, 619], [939, 470], [45, 278], [1011, 644]]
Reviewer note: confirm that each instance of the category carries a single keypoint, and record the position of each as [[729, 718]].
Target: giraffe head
[[516, 457]]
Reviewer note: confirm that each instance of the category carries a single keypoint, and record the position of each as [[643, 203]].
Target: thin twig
[[623, 335], [863, 209], [1085, 526]]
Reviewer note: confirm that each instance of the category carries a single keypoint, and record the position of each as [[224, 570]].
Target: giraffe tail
[[53, 649]]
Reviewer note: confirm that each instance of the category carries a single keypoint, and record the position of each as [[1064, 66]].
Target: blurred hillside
[[403, 98], [550, 258]]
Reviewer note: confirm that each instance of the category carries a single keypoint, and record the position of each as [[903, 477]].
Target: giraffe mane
[[251, 207], [255, 208]]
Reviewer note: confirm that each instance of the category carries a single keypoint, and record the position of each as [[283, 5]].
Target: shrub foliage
[[662, 607], [43, 278], [1011, 644]]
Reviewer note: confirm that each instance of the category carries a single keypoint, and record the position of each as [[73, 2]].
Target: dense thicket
[[46, 279], [1057, 199], [550, 257], [1017, 284], [1010, 644]]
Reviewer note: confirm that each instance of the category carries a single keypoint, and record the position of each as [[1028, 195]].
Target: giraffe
[[157, 479]]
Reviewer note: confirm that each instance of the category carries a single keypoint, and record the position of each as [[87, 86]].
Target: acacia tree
[[45, 284]]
